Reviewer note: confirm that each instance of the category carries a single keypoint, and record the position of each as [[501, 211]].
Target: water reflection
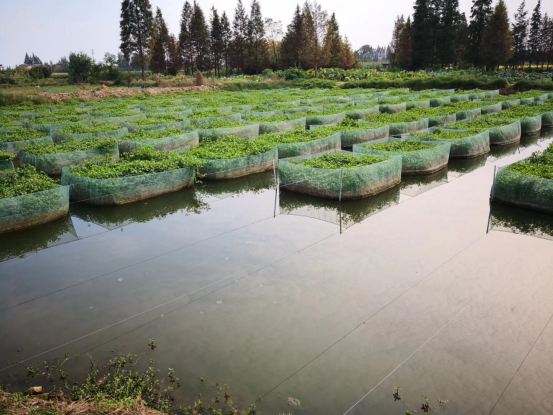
[[505, 218], [344, 214], [26, 241], [253, 183], [459, 167], [415, 185], [111, 217], [498, 152]]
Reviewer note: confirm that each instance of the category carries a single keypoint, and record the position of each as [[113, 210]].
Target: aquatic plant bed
[[80, 131], [6, 161], [527, 183], [437, 117], [170, 139], [340, 174], [139, 175], [464, 144], [52, 158], [530, 117], [11, 141], [232, 156], [402, 123], [278, 123], [154, 122], [502, 132], [417, 156], [213, 130], [353, 131], [29, 198], [301, 142]]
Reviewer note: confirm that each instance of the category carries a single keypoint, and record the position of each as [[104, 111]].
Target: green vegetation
[[208, 113], [161, 119], [57, 120], [68, 146], [221, 123], [145, 160], [295, 136], [274, 118], [20, 135], [88, 128], [5, 156], [404, 145], [230, 147], [152, 134], [521, 111], [537, 165], [433, 112], [480, 124], [385, 118], [442, 134], [339, 161], [23, 181]]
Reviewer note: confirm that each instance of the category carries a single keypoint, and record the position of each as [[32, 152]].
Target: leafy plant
[[152, 134], [404, 145], [5, 156], [442, 134], [88, 128], [339, 161], [162, 119], [68, 146], [222, 123], [295, 136], [23, 181], [230, 147], [20, 135]]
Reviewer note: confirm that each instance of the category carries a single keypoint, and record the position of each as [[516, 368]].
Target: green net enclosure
[[418, 104], [359, 114], [182, 124], [58, 135], [324, 119], [429, 158], [439, 101], [301, 148], [54, 163], [399, 128], [6, 165], [491, 108], [531, 125], [124, 119], [441, 120], [236, 117], [510, 103], [523, 190], [393, 108], [491, 93], [48, 128], [14, 146], [506, 134], [528, 100], [263, 114], [218, 169], [281, 126], [362, 135], [33, 209], [476, 94], [467, 114], [459, 98], [243, 131], [547, 119], [122, 190], [349, 183], [295, 110], [177, 142], [465, 147]]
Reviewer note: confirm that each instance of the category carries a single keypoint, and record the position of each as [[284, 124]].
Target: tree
[[421, 34], [27, 60], [547, 40], [174, 60], [160, 45], [535, 34], [398, 27], [199, 37], [35, 60], [240, 36], [497, 43], [274, 36], [79, 67], [404, 51], [217, 41], [520, 35], [290, 49], [315, 21], [462, 39], [480, 14], [447, 39], [259, 53], [185, 43], [227, 39], [333, 48], [136, 30]]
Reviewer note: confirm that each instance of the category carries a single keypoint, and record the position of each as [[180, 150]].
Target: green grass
[[21, 135], [339, 161], [230, 147], [68, 146], [405, 145], [23, 181]]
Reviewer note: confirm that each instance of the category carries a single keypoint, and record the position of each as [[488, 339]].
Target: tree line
[[249, 44], [439, 36]]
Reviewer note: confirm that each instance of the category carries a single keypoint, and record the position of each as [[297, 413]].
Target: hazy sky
[[53, 28]]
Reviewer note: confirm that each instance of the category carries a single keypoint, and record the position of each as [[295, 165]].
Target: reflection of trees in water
[[497, 152], [185, 201], [546, 133], [352, 211], [467, 165], [253, 183], [20, 243], [516, 220], [528, 140], [421, 181]]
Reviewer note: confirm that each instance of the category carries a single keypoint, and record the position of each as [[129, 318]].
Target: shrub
[[315, 83], [40, 72], [80, 67], [267, 73], [294, 73]]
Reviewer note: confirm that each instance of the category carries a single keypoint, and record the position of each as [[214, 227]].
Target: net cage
[[263, 114], [325, 119], [441, 120], [301, 148], [510, 103], [547, 119], [6, 165], [523, 190], [122, 190], [393, 108], [418, 162], [184, 124], [468, 114], [236, 117], [54, 163], [418, 104], [361, 113], [473, 145], [399, 128], [58, 137], [179, 142], [531, 125], [459, 98], [219, 169], [14, 146], [491, 108], [360, 135], [33, 209], [247, 130], [506, 134], [281, 126], [345, 184], [439, 101]]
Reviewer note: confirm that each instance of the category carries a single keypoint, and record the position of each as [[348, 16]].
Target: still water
[[283, 295]]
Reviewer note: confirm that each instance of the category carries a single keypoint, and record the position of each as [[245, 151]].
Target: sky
[[53, 28]]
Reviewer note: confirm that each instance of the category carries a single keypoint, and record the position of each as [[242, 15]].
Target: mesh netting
[[175, 124], [124, 119], [358, 136], [238, 167], [393, 108], [6, 165], [526, 101], [547, 119], [33, 209], [467, 114], [523, 190], [492, 108], [13, 146], [531, 124], [510, 103], [121, 190], [467, 147], [441, 120], [49, 128], [263, 114], [244, 131], [302, 109], [459, 98], [492, 93], [418, 104], [54, 163], [506, 134], [58, 137], [424, 161], [439, 101], [399, 128], [174, 143], [281, 126], [358, 114], [236, 117], [325, 119], [357, 182], [476, 94], [286, 150]]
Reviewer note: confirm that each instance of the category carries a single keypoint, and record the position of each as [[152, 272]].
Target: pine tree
[[535, 34], [348, 57], [447, 39], [258, 48], [396, 34], [199, 38], [404, 52], [185, 43], [174, 61], [481, 12], [227, 40], [547, 40], [136, 30], [315, 21], [217, 41], [290, 49], [160, 45], [27, 60], [274, 36], [421, 34], [497, 43], [520, 35], [461, 40], [240, 36], [333, 45]]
